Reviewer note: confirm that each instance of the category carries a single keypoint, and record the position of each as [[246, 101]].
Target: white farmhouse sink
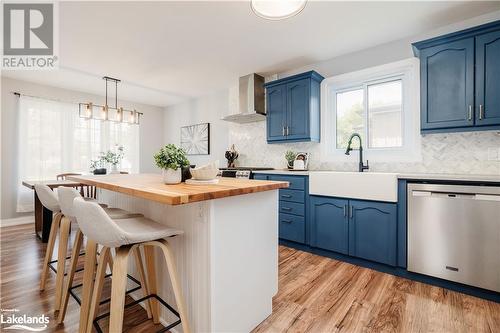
[[356, 185]]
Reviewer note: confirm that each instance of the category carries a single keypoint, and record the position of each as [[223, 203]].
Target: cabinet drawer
[[292, 208], [292, 228], [292, 195], [260, 176], [296, 183]]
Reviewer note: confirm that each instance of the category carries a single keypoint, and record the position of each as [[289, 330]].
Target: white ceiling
[[169, 51]]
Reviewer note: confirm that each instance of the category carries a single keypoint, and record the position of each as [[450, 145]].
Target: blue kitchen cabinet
[[260, 176], [276, 112], [459, 80], [447, 85], [293, 108], [373, 231], [329, 224], [488, 79]]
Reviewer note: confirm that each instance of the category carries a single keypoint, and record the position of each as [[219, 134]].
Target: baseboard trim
[[17, 221]]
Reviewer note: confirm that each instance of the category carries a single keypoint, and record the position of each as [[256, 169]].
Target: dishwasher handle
[[453, 195]]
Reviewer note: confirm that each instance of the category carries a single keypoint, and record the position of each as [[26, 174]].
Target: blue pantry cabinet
[[293, 108], [460, 80]]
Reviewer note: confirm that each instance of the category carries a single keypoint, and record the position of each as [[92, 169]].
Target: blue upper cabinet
[[447, 85], [293, 108], [459, 75], [488, 78]]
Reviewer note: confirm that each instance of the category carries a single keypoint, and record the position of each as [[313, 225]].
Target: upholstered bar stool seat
[[124, 235], [66, 197]]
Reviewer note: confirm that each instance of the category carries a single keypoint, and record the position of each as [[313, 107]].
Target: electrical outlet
[[493, 154]]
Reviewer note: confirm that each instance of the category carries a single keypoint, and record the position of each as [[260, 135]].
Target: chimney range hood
[[251, 104]]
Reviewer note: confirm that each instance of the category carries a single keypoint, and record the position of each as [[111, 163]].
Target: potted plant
[[114, 158], [290, 157], [98, 166], [171, 159]]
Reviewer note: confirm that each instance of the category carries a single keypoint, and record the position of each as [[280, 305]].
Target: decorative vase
[[186, 172], [171, 176], [114, 169], [101, 171], [289, 164]]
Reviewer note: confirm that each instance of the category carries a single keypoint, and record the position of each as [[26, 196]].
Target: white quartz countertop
[[416, 176]]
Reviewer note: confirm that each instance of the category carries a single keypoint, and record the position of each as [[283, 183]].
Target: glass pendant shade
[[277, 9]]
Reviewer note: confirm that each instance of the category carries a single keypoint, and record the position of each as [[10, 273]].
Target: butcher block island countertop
[[151, 187]]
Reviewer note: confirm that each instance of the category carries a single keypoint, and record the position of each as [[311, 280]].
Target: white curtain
[[53, 139]]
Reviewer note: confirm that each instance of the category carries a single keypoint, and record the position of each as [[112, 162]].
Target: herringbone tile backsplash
[[463, 153]]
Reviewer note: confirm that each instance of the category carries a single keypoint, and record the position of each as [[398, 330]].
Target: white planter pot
[[172, 176], [114, 169]]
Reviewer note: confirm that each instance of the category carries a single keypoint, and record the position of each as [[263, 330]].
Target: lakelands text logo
[[29, 36], [10, 319]]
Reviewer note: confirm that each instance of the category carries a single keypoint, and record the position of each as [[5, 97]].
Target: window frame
[[408, 72]]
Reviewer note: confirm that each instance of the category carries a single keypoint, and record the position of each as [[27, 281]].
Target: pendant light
[[106, 112], [277, 9]]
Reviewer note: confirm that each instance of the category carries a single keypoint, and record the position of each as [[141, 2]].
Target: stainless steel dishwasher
[[454, 233]]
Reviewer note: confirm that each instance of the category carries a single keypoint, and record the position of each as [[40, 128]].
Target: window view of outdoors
[[384, 114], [350, 117]]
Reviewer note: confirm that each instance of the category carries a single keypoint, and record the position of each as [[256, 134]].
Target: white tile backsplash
[[463, 153]]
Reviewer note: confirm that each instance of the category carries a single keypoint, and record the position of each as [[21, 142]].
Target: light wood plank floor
[[315, 294]]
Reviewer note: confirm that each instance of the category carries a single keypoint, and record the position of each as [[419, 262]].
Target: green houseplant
[[171, 159], [290, 157]]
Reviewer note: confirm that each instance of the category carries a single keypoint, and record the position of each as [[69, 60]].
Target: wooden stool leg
[[77, 245], [149, 255], [61, 259], [54, 229], [142, 278], [88, 283], [99, 282], [174, 278], [118, 288]]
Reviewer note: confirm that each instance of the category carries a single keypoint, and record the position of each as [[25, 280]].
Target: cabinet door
[[298, 93], [447, 85], [372, 231], [276, 112], [488, 79], [329, 224]]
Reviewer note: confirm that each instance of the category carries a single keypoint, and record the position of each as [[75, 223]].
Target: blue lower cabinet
[[295, 182], [260, 176], [292, 228], [294, 208], [373, 231], [329, 224], [292, 195]]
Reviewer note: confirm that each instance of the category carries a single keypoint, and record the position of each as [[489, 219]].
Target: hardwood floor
[[315, 294], [319, 294]]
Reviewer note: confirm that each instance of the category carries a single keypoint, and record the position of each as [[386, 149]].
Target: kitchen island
[[227, 258]]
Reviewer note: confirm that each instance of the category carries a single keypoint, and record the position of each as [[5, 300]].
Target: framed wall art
[[195, 139]]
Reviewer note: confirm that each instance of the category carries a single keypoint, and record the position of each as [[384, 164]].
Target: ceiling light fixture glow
[[277, 9]]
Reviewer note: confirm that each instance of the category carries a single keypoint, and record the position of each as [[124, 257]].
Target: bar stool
[[66, 197], [124, 237], [60, 226]]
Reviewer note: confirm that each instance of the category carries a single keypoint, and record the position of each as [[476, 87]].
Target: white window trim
[[409, 71]]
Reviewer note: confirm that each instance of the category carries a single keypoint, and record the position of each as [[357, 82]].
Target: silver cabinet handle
[[288, 196], [470, 112], [286, 221], [350, 212], [286, 209], [283, 131], [345, 210], [287, 130], [481, 112]]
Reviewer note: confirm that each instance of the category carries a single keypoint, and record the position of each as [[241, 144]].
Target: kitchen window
[[381, 105]]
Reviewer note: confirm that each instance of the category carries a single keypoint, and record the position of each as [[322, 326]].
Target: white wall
[[151, 132], [441, 153], [209, 109]]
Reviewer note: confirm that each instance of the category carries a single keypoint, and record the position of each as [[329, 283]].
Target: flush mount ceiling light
[[277, 9]]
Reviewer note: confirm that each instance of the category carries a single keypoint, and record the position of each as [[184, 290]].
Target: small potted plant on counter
[[290, 157], [171, 159]]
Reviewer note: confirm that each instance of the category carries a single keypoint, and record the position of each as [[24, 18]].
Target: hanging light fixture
[[277, 9], [106, 112]]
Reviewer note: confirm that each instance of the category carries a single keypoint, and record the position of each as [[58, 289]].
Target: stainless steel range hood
[[251, 106]]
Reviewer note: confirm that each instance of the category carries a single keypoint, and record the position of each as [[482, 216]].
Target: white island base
[[227, 258]]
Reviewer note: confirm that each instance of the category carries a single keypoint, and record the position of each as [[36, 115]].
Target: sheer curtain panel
[[53, 139]]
